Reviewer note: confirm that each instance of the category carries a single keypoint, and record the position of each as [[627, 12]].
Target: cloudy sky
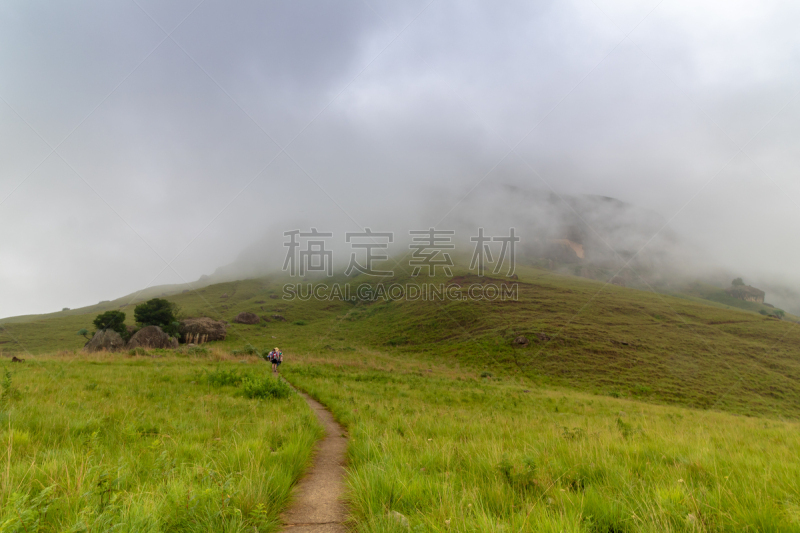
[[144, 142]]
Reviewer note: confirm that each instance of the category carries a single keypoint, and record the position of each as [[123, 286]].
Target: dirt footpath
[[317, 505]]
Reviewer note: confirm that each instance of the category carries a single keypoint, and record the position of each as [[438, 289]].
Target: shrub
[[738, 282], [248, 349], [158, 312], [300, 322], [7, 390], [221, 378], [27, 513], [113, 320], [522, 479], [576, 433], [265, 387]]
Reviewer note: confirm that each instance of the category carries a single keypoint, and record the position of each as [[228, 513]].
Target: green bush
[[8, 391], [113, 320], [248, 349], [265, 387], [250, 386], [221, 378], [158, 312], [521, 479]]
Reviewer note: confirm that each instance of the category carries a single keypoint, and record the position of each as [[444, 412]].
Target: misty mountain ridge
[[565, 228], [590, 236]]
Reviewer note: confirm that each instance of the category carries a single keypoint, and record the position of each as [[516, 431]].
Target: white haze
[[169, 155]]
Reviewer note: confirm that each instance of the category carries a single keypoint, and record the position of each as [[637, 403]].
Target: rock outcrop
[[247, 318], [203, 329], [747, 293], [105, 339], [152, 337]]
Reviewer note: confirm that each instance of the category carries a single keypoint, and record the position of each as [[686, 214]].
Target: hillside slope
[[582, 334]]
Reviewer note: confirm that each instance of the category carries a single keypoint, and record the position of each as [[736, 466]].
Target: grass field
[[624, 412], [161, 443], [451, 451]]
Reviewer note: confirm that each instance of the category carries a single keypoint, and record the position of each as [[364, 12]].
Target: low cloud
[[174, 156]]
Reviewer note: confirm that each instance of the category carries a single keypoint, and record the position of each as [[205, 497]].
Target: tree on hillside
[[158, 312], [113, 320], [737, 282]]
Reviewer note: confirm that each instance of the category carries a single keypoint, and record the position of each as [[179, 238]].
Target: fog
[[144, 143]]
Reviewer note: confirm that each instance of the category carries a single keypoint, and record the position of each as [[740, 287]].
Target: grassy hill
[[582, 334], [107, 305], [453, 425]]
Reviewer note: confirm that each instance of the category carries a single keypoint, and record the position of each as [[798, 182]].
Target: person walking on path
[[270, 357], [277, 359]]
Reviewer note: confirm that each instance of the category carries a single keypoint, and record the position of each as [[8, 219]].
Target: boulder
[[521, 341], [105, 339], [152, 337], [399, 519], [203, 328], [247, 318]]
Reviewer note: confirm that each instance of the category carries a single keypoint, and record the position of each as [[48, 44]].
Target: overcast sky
[[146, 142]]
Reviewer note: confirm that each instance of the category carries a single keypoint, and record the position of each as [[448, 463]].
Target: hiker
[[277, 359]]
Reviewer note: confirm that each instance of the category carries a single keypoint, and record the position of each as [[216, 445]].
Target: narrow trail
[[317, 505]]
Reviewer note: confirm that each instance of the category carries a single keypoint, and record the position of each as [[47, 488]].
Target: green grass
[[453, 452], [621, 414], [160, 443]]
